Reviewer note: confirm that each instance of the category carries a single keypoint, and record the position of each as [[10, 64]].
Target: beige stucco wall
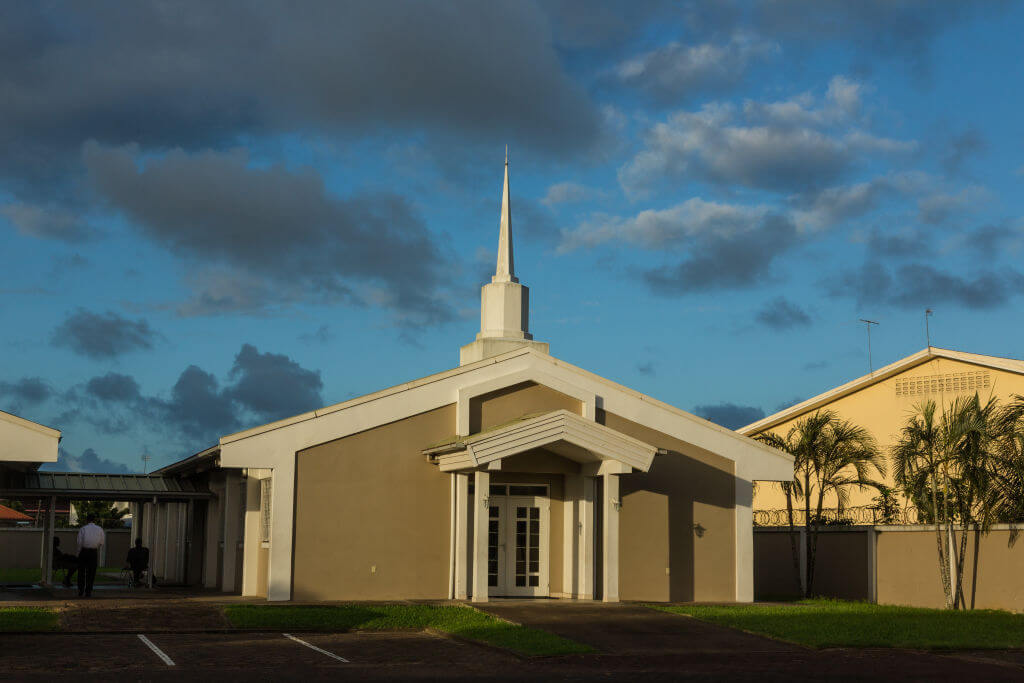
[[372, 515], [663, 555], [371, 500], [908, 572], [883, 413], [499, 407], [20, 546]]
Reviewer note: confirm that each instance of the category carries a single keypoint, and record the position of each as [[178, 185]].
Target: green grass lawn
[[455, 620], [836, 623], [33, 575], [28, 619]]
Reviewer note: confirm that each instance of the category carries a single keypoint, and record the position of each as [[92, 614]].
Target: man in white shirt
[[90, 539]]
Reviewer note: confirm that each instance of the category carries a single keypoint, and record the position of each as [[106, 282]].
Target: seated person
[[138, 560], [65, 561]]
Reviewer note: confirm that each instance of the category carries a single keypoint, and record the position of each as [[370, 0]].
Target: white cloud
[[791, 145], [567, 192], [676, 71], [665, 228]]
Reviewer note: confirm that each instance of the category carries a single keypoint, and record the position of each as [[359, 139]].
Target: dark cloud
[[113, 387], [198, 407], [88, 461], [260, 387], [961, 149], [990, 239], [885, 245], [729, 415], [321, 335], [730, 261], [915, 285], [782, 314], [200, 74], [30, 390], [103, 335], [646, 368], [272, 386], [815, 365], [904, 29], [273, 236], [584, 24]]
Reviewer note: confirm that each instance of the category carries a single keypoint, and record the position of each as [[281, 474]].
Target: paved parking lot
[[189, 644]]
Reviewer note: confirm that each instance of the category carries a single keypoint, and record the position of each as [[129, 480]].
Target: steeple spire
[[504, 302], [505, 270]]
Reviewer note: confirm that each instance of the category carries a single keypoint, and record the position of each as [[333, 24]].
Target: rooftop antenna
[[927, 331], [146, 457], [868, 324]]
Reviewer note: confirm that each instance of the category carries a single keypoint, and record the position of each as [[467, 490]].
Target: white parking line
[[159, 653], [314, 647]]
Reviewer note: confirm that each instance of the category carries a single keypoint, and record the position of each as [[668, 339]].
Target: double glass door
[[517, 540]]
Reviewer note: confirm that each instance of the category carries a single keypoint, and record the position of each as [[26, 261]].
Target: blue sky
[[219, 214]]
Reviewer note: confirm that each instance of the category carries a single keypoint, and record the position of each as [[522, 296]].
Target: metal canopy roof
[[109, 486]]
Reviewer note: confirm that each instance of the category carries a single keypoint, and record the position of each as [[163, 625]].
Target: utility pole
[[868, 324], [146, 457], [927, 331]]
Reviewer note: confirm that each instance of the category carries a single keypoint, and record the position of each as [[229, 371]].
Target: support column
[[610, 539], [482, 485], [51, 516], [571, 535], [744, 539], [585, 559], [231, 530], [253, 541], [212, 543], [282, 504], [461, 533]]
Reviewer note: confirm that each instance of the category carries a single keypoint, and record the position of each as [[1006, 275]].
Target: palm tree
[[959, 469], [917, 460], [830, 456]]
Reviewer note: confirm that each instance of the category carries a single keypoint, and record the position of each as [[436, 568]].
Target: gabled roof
[[902, 365], [264, 446], [566, 433]]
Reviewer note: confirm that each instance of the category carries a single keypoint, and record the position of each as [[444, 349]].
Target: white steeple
[[504, 303], [505, 272]]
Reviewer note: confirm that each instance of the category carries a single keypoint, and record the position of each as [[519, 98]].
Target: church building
[[513, 474]]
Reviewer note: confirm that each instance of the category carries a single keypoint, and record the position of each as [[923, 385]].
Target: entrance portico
[[508, 551]]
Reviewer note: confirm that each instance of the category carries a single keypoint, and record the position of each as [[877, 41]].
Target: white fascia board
[[263, 447]]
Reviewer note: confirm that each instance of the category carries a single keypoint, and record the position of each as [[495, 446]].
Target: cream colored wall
[[883, 413], [662, 553]]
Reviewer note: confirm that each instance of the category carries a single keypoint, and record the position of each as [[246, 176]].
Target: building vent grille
[[950, 382], [265, 493]]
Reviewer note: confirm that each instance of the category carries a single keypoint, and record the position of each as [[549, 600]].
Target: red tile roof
[[11, 515]]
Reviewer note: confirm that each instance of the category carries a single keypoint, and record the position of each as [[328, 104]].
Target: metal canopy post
[[149, 574]]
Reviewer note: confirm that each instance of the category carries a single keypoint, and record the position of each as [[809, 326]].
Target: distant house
[[11, 517], [882, 401]]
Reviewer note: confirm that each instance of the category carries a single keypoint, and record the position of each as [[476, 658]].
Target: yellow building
[[882, 401]]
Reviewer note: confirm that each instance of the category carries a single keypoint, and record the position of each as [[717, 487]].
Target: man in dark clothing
[[90, 539], [62, 560], [138, 560]]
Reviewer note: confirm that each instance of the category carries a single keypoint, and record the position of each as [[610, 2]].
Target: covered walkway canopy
[[137, 489], [81, 486]]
